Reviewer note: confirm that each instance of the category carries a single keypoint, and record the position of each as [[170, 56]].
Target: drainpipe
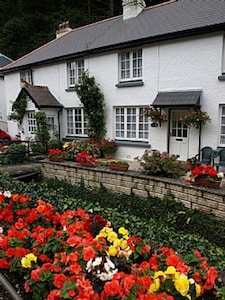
[[7, 286]]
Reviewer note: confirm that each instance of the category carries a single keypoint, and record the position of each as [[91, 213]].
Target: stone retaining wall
[[133, 182]]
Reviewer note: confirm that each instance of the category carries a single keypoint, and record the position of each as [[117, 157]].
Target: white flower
[[220, 175], [7, 194], [1, 230]]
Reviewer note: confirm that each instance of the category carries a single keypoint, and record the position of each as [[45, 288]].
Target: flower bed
[[74, 255]]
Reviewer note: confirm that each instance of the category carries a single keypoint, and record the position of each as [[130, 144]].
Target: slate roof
[[181, 98], [4, 60], [167, 21], [41, 96]]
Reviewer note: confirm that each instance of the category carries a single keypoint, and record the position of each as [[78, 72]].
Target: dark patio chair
[[221, 161], [206, 156]]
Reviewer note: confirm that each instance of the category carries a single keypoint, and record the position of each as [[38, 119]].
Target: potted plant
[[206, 176], [56, 155], [108, 147], [118, 165], [86, 159], [191, 162], [195, 118], [155, 115]]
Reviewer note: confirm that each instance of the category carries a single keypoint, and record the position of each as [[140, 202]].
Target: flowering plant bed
[[108, 146], [77, 256], [86, 159], [56, 154]]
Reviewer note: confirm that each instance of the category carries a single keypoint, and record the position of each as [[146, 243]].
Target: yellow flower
[[27, 260], [123, 244], [123, 231], [159, 274], [112, 236], [65, 145], [198, 289], [116, 243], [154, 286], [112, 251], [181, 284], [170, 272]]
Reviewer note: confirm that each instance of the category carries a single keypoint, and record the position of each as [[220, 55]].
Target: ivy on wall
[[93, 102], [18, 110]]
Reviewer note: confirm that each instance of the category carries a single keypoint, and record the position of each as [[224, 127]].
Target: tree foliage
[[25, 25]]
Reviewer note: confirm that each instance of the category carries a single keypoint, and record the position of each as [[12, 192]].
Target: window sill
[[70, 138], [130, 83], [221, 77], [71, 89], [133, 143]]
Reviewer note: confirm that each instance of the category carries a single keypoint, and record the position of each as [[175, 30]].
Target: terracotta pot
[[108, 155], [118, 167], [56, 159], [202, 181], [88, 164], [190, 166]]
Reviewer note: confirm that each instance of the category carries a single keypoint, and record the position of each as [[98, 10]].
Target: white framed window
[[77, 123], [130, 65], [131, 124], [51, 123], [27, 76], [75, 70], [32, 124], [222, 125]]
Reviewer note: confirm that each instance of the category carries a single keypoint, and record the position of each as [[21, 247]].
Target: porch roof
[[41, 96], [178, 99]]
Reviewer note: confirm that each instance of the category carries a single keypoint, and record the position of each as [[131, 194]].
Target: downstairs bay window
[[131, 124]]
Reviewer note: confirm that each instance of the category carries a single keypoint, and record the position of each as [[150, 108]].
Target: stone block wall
[[211, 201]]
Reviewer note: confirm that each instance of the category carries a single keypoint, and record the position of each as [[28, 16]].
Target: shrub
[[14, 154], [161, 164]]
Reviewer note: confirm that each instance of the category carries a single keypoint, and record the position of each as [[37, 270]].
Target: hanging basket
[[203, 181]]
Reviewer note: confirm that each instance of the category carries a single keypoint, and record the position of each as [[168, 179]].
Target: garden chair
[[206, 156], [221, 161]]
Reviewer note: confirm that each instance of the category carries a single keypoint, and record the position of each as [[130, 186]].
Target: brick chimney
[[64, 28], [132, 8]]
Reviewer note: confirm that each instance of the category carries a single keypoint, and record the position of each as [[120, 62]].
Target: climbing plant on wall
[[93, 102], [18, 110]]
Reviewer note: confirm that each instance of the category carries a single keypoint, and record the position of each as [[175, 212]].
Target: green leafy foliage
[[160, 222], [93, 101]]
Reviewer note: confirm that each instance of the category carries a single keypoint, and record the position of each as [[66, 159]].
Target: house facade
[[4, 60], [170, 56]]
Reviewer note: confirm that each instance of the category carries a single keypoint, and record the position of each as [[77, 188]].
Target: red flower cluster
[[207, 170], [56, 152], [69, 252], [85, 157]]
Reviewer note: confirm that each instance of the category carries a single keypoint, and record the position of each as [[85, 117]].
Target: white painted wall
[[184, 64], [3, 116]]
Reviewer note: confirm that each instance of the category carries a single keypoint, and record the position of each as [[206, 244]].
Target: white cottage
[[4, 60], [170, 56]]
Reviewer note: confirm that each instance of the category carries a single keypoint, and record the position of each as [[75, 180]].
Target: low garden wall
[[133, 182]]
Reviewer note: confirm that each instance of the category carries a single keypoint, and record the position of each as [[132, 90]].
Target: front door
[[178, 143]]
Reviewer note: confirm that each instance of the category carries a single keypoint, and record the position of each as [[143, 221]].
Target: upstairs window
[[131, 124], [77, 123], [26, 76], [75, 70], [131, 65]]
